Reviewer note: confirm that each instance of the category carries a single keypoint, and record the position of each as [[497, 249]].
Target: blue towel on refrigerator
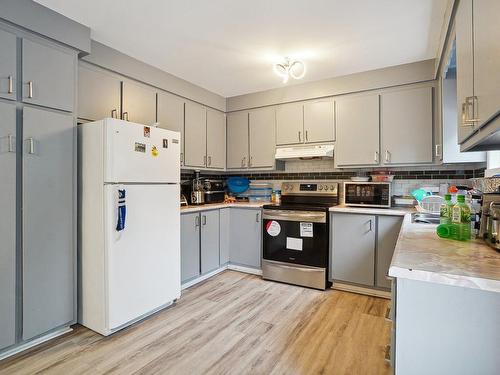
[[122, 210]]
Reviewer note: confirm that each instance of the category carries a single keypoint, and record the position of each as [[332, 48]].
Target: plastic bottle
[[445, 210], [460, 219]]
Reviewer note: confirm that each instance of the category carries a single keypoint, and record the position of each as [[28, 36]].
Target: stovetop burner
[[313, 196]]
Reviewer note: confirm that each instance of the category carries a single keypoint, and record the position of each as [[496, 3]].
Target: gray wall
[[374, 79]]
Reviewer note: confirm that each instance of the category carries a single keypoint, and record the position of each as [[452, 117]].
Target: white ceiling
[[229, 46]]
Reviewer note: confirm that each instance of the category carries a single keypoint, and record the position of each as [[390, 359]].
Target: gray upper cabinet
[[465, 67], [486, 59], [8, 72], [139, 103], [319, 123], [190, 246], [289, 124], [216, 139], [357, 124], [171, 116], [48, 221], [245, 237], [388, 228], [262, 139], [353, 248], [7, 224], [407, 126], [98, 93], [49, 75], [237, 140], [209, 241], [195, 135]]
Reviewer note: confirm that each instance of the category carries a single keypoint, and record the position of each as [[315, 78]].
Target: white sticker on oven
[[293, 243], [273, 228], [306, 229]]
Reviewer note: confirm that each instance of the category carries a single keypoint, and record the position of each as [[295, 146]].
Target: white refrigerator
[[129, 253]]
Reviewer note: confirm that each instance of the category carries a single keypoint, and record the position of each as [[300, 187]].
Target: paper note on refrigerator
[[293, 243]]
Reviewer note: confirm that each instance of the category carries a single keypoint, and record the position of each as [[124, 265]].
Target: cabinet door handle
[[209, 160], [31, 148], [203, 220], [387, 156], [30, 89], [370, 227], [244, 161], [250, 162], [182, 157], [125, 116], [300, 139], [11, 88], [376, 157], [205, 160], [257, 219], [438, 150], [196, 221], [113, 113], [10, 139], [475, 112], [307, 138]]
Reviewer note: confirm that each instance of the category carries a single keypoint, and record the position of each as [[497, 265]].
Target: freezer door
[[143, 260], [139, 153]]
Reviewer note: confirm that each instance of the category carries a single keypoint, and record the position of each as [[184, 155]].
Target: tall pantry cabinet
[[37, 188]]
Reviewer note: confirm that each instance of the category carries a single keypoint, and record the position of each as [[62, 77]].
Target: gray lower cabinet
[[98, 93], [245, 237], [7, 224], [224, 230], [190, 246], [139, 103], [388, 228], [8, 72], [48, 221], [48, 75], [209, 241], [353, 248]]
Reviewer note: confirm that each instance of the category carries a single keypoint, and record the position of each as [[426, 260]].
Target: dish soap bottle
[[460, 218]]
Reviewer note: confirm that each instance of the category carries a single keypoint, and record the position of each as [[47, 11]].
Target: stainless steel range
[[296, 234]]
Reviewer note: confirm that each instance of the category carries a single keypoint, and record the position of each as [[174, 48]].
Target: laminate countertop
[[216, 206], [421, 255]]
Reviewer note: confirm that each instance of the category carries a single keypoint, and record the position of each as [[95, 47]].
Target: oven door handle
[[306, 216]]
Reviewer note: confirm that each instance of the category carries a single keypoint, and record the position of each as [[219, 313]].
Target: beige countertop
[[215, 206], [394, 211], [421, 255]]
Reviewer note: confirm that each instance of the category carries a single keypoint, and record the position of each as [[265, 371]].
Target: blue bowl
[[237, 185]]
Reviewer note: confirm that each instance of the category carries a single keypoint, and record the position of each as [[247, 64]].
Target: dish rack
[[430, 204]]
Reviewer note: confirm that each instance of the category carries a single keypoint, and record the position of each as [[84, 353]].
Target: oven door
[[293, 236]]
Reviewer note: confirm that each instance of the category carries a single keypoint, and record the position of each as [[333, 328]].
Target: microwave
[[367, 194]]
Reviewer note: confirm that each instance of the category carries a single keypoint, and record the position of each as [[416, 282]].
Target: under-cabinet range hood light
[[305, 152]]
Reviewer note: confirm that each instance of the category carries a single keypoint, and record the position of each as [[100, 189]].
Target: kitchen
[[313, 154]]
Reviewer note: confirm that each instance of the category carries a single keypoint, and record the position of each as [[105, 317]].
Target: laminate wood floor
[[233, 323]]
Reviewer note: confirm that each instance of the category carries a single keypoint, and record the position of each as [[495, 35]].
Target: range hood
[[304, 152]]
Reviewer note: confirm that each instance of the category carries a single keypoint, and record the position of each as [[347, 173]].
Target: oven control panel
[[309, 188]]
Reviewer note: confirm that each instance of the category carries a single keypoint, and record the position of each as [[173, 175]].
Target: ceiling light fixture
[[295, 69]]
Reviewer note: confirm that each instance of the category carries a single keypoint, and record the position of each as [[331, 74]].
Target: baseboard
[[361, 290], [35, 342], [192, 282], [253, 271]]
